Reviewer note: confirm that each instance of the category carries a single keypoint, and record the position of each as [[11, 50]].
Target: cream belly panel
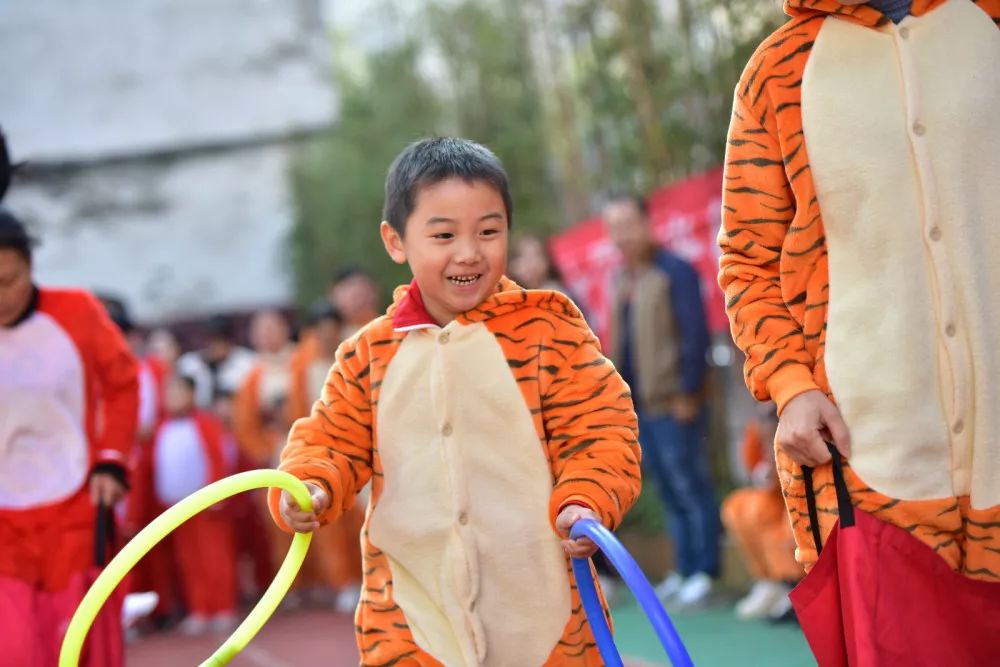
[[912, 301], [463, 516], [44, 453]]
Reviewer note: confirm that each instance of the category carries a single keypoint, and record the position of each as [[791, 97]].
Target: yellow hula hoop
[[162, 526]]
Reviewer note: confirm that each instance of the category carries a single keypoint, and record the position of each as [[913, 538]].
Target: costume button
[[444, 338], [919, 129], [958, 427], [904, 32], [950, 330], [463, 518], [935, 234], [446, 430]]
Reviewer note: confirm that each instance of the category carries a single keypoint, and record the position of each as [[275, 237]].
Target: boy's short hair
[[220, 327], [324, 310], [350, 271], [188, 381], [118, 312], [430, 161], [14, 236], [634, 198]]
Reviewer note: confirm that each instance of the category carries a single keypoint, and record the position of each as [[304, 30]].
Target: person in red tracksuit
[[68, 409], [188, 453]]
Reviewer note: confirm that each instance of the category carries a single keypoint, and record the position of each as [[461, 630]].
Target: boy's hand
[[808, 421], [583, 547], [299, 521], [105, 489]]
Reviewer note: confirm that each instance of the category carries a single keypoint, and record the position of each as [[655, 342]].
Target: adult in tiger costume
[[488, 421], [860, 236]]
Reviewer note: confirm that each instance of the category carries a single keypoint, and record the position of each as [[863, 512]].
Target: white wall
[[189, 237], [117, 94], [95, 79]]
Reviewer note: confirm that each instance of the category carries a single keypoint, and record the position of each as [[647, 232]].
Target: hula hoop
[[637, 583], [151, 535]]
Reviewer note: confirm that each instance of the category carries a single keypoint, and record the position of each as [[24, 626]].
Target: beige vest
[[655, 350]]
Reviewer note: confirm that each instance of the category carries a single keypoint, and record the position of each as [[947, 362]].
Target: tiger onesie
[[475, 436], [860, 237]]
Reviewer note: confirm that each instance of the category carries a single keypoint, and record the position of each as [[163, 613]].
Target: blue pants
[[673, 454]]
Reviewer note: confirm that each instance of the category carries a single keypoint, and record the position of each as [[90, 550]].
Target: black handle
[[844, 506], [104, 534]]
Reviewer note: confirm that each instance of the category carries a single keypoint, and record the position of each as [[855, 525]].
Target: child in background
[[187, 455], [334, 559], [755, 517]]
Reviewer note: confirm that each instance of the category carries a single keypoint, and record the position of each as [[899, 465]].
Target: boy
[[755, 518], [858, 257], [188, 455], [488, 421]]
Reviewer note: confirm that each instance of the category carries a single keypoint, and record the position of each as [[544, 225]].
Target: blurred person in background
[[69, 399], [155, 572], [334, 559], [220, 365], [531, 265], [659, 339], [152, 369], [188, 454], [756, 518], [254, 566], [162, 344], [355, 293], [260, 421]]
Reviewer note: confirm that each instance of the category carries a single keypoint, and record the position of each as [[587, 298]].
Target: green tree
[[494, 98], [338, 180], [575, 97]]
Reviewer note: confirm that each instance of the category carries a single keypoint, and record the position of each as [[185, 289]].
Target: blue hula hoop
[[622, 560]]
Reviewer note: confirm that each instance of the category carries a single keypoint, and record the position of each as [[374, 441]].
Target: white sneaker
[[670, 586], [696, 589], [223, 624], [782, 606], [193, 626], [348, 599], [763, 595], [137, 606]]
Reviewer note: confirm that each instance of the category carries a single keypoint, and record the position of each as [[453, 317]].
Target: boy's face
[[629, 230], [357, 298], [328, 334], [15, 285], [269, 332], [455, 244], [178, 398]]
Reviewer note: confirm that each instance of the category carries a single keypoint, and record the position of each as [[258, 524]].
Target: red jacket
[[68, 384]]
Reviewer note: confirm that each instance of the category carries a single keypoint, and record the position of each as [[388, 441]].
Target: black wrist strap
[[844, 506]]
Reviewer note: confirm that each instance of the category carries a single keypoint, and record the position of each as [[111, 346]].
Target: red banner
[[685, 218]]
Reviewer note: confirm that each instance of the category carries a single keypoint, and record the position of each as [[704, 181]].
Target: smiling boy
[[488, 421]]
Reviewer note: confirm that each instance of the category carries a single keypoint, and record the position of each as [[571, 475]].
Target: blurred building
[[158, 136]]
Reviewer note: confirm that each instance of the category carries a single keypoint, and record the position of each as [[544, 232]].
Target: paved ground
[[318, 638]]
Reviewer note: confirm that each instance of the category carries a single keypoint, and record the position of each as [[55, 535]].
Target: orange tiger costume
[[475, 436], [859, 240]]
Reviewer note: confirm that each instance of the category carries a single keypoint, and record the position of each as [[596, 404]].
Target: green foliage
[[495, 97], [338, 181], [576, 97]]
